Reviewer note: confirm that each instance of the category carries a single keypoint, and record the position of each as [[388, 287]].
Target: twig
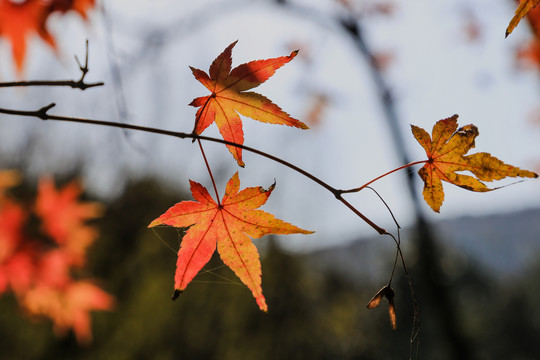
[[43, 114], [383, 175], [415, 331], [75, 84]]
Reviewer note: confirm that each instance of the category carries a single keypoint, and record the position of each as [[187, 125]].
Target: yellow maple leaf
[[446, 149]]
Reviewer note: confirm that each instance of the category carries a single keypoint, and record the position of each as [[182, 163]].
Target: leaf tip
[[176, 294], [156, 222], [271, 188], [262, 303]]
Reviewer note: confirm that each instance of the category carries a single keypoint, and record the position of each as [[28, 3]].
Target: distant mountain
[[503, 244]]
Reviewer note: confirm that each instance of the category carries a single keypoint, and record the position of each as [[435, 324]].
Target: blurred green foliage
[[314, 313]]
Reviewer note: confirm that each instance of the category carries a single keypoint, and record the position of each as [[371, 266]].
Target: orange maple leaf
[[229, 97], [79, 6], [446, 150], [227, 225], [69, 307], [14, 263], [19, 20], [522, 10], [61, 212]]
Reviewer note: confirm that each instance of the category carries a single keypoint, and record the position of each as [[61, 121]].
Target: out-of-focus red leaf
[[12, 217], [69, 307], [79, 6], [15, 266], [40, 275], [17, 272], [61, 212], [318, 104], [21, 20], [528, 56]]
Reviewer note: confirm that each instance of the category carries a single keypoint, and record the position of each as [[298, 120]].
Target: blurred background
[[366, 71]]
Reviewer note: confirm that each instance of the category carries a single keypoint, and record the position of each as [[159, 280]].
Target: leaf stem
[[383, 175], [197, 118], [209, 172]]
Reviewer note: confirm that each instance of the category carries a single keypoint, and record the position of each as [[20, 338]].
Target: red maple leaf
[[229, 97], [227, 225], [69, 306], [62, 214]]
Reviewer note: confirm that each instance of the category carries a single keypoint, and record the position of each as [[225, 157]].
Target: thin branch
[[75, 84], [383, 175], [415, 331], [44, 115]]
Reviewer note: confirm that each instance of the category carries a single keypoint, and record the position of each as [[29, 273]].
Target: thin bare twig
[[75, 84], [414, 339]]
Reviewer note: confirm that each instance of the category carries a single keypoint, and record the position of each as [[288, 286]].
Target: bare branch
[[75, 84], [43, 114]]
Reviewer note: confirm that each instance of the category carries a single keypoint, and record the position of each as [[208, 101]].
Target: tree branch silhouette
[[80, 84], [43, 114]]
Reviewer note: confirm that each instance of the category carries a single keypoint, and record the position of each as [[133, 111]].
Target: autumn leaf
[[61, 211], [19, 20], [38, 272], [522, 10], [229, 97], [79, 6], [15, 265], [228, 225], [69, 307], [12, 218], [446, 150]]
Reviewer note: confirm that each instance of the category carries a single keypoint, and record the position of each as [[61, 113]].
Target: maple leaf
[[19, 20], [68, 307], [446, 150], [15, 265], [522, 10], [61, 211], [227, 225], [229, 97], [18, 272], [79, 6]]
